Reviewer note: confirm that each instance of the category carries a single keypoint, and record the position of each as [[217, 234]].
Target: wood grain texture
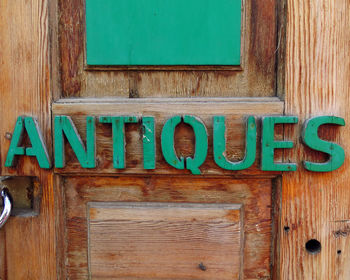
[[164, 241], [257, 78], [316, 205], [3, 264], [235, 111], [255, 195], [281, 48], [27, 244]]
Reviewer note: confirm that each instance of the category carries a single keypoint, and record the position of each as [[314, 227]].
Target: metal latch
[[7, 203], [20, 196]]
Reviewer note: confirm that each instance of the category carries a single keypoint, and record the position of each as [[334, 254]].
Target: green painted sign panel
[[163, 32]]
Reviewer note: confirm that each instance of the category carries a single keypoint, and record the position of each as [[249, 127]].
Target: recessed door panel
[[160, 227], [164, 240]]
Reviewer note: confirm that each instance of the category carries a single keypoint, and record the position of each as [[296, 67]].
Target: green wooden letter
[[268, 145], [38, 148], [118, 132], [219, 142], [201, 148], [311, 139], [148, 140], [167, 143], [15, 142], [64, 125]]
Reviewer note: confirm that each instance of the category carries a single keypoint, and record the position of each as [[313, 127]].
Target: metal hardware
[[7, 206], [24, 192], [202, 267], [6, 199]]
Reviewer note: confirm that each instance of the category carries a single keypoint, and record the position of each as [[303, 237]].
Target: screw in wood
[[202, 267]]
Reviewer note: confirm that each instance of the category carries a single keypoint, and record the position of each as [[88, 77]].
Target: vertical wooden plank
[[281, 47], [60, 227], [316, 205], [2, 255], [28, 243]]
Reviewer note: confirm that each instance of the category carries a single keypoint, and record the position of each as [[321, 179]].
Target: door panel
[[237, 213], [256, 75], [169, 240]]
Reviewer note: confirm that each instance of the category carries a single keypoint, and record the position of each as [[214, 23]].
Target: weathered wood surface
[[235, 110], [255, 195], [258, 77], [164, 241], [27, 245], [316, 205], [317, 83]]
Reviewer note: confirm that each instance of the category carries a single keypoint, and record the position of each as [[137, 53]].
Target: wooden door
[[135, 221]]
